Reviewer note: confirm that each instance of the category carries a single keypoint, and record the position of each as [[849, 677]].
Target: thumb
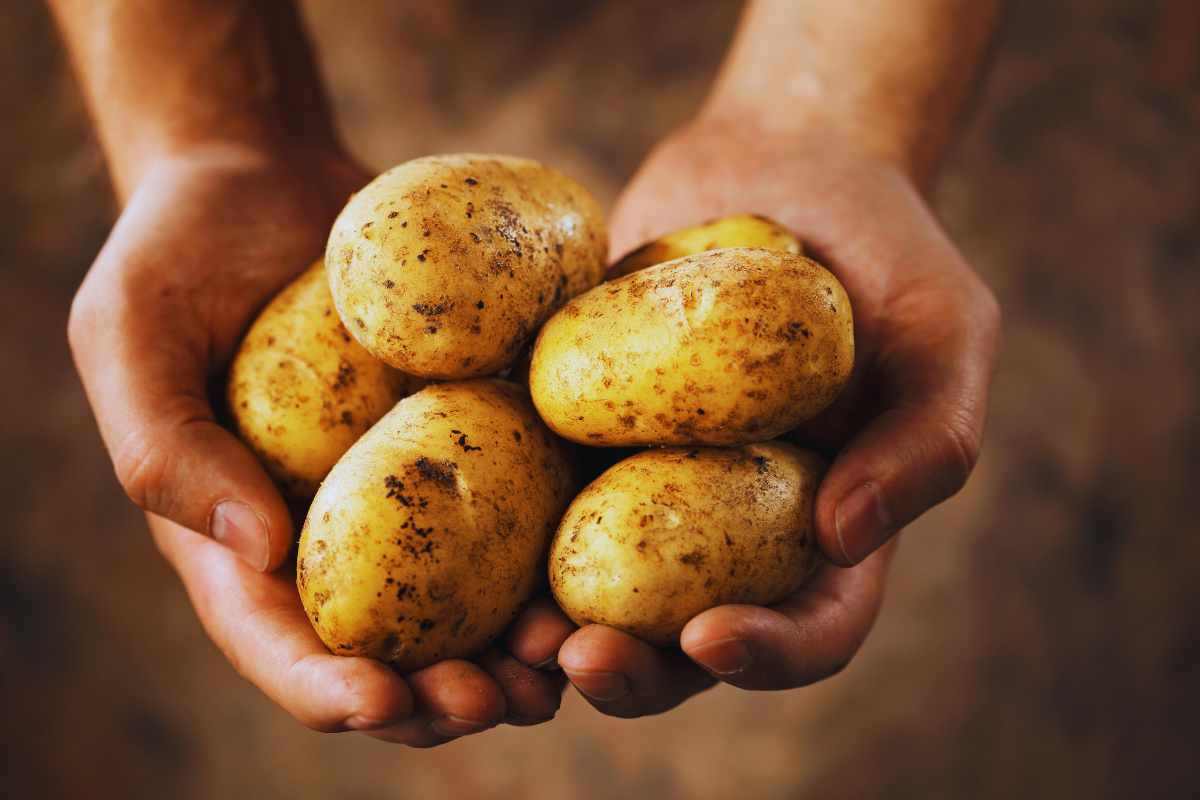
[[146, 384], [923, 446], [181, 465], [907, 461]]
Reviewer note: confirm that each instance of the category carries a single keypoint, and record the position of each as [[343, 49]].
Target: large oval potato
[[725, 347], [430, 533], [445, 266], [737, 230], [301, 390], [669, 533]]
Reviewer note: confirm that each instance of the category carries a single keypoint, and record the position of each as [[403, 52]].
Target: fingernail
[[456, 726], [602, 686], [243, 531], [725, 657], [862, 521], [549, 665], [357, 723]]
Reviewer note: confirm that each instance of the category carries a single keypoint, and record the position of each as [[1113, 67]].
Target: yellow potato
[[739, 230], [669, 533], [301, 390], [725, 347], [445, 266], [431, 532]]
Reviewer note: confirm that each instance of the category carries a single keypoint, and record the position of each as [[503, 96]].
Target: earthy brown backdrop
[[1042, 633]]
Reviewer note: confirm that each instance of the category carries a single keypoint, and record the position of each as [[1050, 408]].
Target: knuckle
[[150, 460], [301, 678], [991, 315], [959, 446], [82, 322], [143, 467]]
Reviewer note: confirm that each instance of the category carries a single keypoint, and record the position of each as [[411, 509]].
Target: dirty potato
[[430, 533], [738, 230], [725, 347], [669, 533], [301, 390], [445, 266]]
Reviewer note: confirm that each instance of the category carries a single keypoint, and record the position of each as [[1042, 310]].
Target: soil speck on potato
[[462, 442], [429, 309], [442, 473]]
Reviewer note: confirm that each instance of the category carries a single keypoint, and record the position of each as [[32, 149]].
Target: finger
[[143, 365], [922, 447], [453, 698], [625, 677], [807, 638], [257, 622], [411, 733], [531, 696], [537, 634]]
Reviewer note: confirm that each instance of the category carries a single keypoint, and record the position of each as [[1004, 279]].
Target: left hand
[[906, 432]]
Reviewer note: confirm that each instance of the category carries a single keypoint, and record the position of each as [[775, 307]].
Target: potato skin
[[430, 533], [725, 347], [738, 230], [445, 266], [301, 390], [669, 533]]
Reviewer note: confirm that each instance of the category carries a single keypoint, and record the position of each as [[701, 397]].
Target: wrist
[[817, 127], [323, 164], [813, 134]]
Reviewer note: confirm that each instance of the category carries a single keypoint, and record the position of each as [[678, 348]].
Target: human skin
[[828, 116], [224, 159]]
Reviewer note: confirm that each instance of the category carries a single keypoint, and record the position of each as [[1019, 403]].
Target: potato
[[445, 266], [669, 533], [739, 230], [301, 390], [725, 347], [431, 532]]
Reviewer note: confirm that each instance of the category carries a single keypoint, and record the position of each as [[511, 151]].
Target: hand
[[206, 239], [906, 432]]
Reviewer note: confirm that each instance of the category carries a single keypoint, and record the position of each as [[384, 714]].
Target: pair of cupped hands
[[210, 234]]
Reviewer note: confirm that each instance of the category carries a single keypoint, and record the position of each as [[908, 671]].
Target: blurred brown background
[[1042, 632]]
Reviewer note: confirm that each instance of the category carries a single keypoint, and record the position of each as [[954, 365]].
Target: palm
[[218, 242]]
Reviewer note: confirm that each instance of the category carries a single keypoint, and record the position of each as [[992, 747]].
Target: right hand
[[206, 239]]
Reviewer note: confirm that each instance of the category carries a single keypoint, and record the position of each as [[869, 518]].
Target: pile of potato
[[369, 389]]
